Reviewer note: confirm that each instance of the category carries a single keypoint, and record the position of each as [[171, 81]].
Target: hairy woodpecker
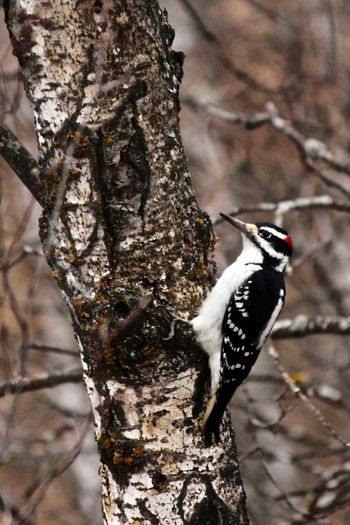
[[240, 311]]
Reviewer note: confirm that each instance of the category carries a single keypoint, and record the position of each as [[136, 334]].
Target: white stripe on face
[[279, 256], [269, 249], [274, 232]]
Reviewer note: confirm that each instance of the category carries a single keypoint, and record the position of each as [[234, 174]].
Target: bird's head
[[271, 241]]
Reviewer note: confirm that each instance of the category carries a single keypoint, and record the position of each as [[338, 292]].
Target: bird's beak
[[244, 227]]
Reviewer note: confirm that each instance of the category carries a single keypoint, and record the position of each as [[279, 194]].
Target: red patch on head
[[289, 241]]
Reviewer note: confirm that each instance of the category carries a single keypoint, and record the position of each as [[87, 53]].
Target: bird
[[239, 312]]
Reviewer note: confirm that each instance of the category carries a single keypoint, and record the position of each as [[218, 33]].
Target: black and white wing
[[250, 315]]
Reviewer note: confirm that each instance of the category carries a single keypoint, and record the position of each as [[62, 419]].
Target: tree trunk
[[127, 245]]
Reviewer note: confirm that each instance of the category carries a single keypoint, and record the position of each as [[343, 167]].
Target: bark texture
[[126, 242]]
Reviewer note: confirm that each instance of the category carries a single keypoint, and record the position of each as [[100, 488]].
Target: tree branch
[[20, 386], [283, 207], [12, 511], [226, 60], [53, 349], [309, 148], [21, 161], [292, 385], [302, 326]]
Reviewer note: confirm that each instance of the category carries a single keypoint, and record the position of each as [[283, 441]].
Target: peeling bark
[[127, 245]]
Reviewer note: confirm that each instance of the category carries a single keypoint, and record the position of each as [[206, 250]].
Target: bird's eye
[[265, 235]]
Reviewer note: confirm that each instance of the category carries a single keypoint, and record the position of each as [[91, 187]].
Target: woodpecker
[[239, 312]]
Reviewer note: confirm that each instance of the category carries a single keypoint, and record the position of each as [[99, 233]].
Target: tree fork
[[127, 244]]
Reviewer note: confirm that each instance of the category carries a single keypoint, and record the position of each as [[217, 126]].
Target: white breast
[[207, 324]]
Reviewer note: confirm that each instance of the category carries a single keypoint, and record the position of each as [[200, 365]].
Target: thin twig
[[53, 349], [309, 148], [226, 60], [8, 510], [59, 466], [283, 495], [301, 395], [27, 250]]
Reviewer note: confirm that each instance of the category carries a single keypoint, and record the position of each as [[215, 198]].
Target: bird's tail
[[214, 413]]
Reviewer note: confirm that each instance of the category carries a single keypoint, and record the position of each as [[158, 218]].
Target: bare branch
[[282, 494], [310, 149], [21, 161], [53, 349], [325, 202], [248, 122], [26, 251], [331, 183], [301, 395], [271, 14], [308, 255], [38, 491], [20, 386], [221, 55], [10, 510], [302, 326]]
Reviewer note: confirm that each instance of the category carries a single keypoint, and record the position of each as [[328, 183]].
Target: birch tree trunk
[[127, 245]]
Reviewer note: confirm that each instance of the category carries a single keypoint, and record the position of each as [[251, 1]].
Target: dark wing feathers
[[247, 315]]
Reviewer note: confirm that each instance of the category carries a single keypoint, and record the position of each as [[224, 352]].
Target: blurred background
[[265, 123]]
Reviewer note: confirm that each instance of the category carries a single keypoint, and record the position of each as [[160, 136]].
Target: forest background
[[265, 112]]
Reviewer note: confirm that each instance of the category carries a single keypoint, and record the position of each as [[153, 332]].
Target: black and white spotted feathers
[[240, 311], [250, 315]]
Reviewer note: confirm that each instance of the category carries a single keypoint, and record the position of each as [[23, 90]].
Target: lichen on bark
[[128, 245]]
